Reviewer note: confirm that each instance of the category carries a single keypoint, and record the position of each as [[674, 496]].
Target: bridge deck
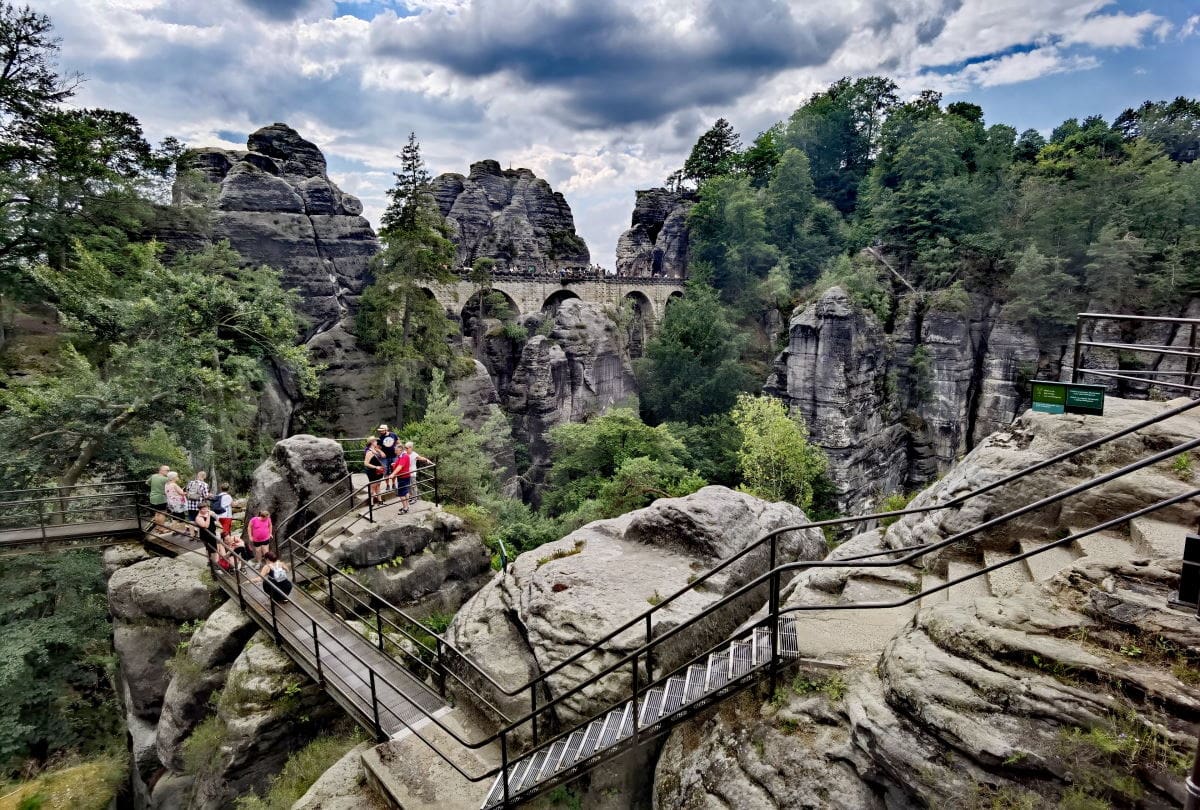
[[68, 531], [329, 650]]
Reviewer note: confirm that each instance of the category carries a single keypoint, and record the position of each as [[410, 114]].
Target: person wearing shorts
[[260, 533], [375, 463], [206, 523], [225, 511]]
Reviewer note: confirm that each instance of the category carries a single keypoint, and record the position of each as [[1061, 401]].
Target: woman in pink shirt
[[260, 533]]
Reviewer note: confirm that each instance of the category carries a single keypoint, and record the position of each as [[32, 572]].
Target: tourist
[[176, 499], [222, 505], [236, 546], [197, 493], [158, 497], [206, 524], [275, 579], [375, 463], [390, 443], [406, 466], [260, 533]]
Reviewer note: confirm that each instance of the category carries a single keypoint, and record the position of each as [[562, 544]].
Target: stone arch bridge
[[529, 293]]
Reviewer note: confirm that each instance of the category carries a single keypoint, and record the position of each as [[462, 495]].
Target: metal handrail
[[1190, 352], [55, 488]]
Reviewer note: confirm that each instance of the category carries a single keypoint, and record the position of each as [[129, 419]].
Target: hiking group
[[196, 511], [391, 466]]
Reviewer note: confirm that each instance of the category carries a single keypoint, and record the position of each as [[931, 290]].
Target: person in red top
[[402, 471]]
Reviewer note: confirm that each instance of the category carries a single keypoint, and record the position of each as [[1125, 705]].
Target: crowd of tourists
[[195, 510], [391, 466]]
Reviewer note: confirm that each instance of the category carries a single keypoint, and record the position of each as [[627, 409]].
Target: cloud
[[1022, 67], [281, 9], [1117, 30], [1190, 26]]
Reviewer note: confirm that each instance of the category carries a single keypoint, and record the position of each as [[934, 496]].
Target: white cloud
[[1190, 26], [1117, 30], [1022, 67]]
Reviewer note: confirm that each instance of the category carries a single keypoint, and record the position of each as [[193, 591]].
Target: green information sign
[[1057, 397]]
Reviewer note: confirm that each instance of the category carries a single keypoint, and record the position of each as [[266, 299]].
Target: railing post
[[649, 652], [774, 619], [370, 503], [533, 710], [317, 653], [440, 668], [1191, 361], [379, 625], [237, 576], [1192, 783], [504, 765], [1078, 338], [375, 705], [437, 498], [42, 519], [329, 580], [634, 705], [274, 621]]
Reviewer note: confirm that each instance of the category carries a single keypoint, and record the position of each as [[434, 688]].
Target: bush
[[202, 749], [302, 769], [775, 457], [90, 785]]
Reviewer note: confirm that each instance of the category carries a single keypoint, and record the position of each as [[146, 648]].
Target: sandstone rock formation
[[426, 562], [511, 216], [299, 469], [580, 369], [994, 693], [894, 410], [276, 206], [656, 244], [565, 595]]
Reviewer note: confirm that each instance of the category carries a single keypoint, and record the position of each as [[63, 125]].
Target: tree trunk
[[401, 382]]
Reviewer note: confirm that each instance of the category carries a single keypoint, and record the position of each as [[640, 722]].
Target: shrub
[[302, 769], [202, 749]]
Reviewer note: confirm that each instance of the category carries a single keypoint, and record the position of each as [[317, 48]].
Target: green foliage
[[92, 784], [710, 445], [464, 470], [56, 658], [301, 770], [863, 280], [1040, 295], [612, 464], [952, 299], [691, 369], [895, 503], [1182, 466], [202, 749], [775, 457], [715, 153]]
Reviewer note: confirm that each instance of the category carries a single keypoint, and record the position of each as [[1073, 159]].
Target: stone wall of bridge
[[536, 293]]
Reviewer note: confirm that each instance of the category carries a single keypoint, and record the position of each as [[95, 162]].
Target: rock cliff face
[[893, 410], [277, 206], [656, 243], [511, 216], [299, 469]]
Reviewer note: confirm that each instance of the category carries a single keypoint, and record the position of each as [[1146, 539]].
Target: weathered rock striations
[[511, 216], [893, 410], [276, 206], [580, 369], [300, 469], [656, 243], [552, 602]]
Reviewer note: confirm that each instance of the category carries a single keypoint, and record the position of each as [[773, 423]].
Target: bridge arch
[[555, 300], [642, 321], [483, 304]]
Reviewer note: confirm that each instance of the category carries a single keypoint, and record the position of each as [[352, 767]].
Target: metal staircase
[[696, 686]]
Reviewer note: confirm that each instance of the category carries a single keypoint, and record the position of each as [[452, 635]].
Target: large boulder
[[1044, 695], [656, 243], [511, 216], [302, 471], [559, 598], [267, 710], [197, 674]]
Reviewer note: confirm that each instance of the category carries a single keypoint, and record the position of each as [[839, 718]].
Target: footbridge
[[537, 292]]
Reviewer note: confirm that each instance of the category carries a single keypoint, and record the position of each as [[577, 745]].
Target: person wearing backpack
[[275, 579], [197, 494], [222, 506]]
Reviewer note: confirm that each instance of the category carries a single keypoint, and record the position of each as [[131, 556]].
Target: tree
[[758, 162], [776, 459], [1041, 297], [613, 463], [398, 319], [464, 470], [715, 153], [691, 367], [183, 346], [1116, 278], [1174, 125]]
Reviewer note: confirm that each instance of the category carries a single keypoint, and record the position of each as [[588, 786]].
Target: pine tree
[[715, 153], [406, 197]]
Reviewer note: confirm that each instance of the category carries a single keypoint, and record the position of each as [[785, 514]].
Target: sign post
[[1050, 396]]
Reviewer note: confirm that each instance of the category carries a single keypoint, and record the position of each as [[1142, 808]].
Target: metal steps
[[664, 704]]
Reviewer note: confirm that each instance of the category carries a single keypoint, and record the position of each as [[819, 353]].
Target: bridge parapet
[[533, 292]]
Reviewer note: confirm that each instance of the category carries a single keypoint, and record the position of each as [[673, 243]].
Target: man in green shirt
[[158, 495]]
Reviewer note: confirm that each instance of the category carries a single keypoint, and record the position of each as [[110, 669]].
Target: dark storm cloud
[[613, 67], [279, 9]]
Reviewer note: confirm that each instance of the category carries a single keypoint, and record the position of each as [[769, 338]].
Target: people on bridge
[[261, 532], [276, 580], [197, 493], [222, 506], [207, 527], [158, 496], [233, 549], [376, 464], [176, 500]]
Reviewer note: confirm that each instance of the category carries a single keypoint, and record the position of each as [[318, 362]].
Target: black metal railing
[[1186, 378]]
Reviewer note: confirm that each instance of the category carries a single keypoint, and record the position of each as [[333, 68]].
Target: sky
[[600, 97]]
